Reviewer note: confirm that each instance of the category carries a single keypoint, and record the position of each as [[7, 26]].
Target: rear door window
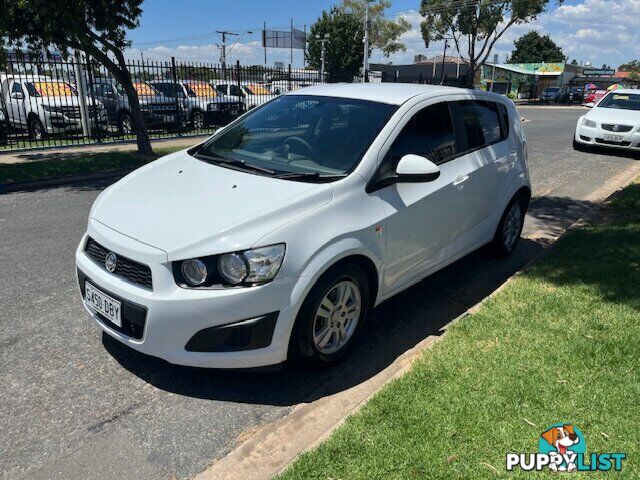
[[478, 124]]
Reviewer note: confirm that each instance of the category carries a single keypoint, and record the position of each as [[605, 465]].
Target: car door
[[482, 142], [426, 221], [16, 105]]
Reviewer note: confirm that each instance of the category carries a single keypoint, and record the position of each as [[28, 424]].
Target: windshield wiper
[[232, 162], [318, 175]]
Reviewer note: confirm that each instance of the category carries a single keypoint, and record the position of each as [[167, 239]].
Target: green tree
[[633, 67], [475, 25], [343, 51], [574, 62], [384, 34], [534, 48], [95, 27], [345, 26]]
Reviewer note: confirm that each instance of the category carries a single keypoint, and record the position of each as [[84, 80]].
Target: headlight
[[249, 267], [233, 267], [264, 263], [194, 271], [588, 123], [51, 108]]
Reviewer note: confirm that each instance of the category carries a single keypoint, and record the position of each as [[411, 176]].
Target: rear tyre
[[509, 229], [331, 317], [125, 125], [36, 130], [197, 120]]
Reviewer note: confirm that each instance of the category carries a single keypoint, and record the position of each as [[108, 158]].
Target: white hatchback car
[[276, 237], [613, 122]]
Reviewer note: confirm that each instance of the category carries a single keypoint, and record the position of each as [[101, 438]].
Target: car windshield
[[623, 101], [145, 90], [200, 89], [257, 89], [50, 89], [301, 136]]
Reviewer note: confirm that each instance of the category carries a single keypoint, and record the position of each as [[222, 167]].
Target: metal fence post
[[174, 77], [289, 82], [238, 78], [92, 92], [82, 97]]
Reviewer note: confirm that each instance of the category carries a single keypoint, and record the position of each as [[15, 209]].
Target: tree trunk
[[142, 134]]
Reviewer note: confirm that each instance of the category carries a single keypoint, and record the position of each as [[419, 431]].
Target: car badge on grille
[[110, 262], [616, 128]]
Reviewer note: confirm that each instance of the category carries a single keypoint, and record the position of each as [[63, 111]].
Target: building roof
[[391, 93], [516, 69]]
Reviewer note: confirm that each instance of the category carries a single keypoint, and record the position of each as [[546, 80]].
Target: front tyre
[[331, 317], [509, 229]]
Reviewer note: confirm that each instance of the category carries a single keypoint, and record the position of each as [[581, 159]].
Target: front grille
[[126, 268], [609, 142], [160, 108], [620, 128], [74, 112]]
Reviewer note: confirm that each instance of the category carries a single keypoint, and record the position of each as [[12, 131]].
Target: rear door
[[483, 142]]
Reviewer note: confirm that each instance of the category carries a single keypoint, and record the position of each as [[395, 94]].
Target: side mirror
[[414, 168], [17, 95], [411, 169]]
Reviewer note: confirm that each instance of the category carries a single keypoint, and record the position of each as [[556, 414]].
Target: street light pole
[[365, 62], [323, 40]]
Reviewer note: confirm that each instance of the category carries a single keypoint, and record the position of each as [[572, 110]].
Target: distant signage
[[598, 72], [283, 39]]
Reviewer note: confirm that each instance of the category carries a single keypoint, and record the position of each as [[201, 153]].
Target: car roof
[[391, 93], [626, 91]]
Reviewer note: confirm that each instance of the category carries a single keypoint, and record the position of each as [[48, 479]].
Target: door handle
[[461, 179]]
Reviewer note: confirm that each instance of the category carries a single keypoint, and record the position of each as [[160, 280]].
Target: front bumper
[[595, 136], [241, 327]]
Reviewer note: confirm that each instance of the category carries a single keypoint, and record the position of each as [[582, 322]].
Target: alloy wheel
[[512, 226], [336, 317]]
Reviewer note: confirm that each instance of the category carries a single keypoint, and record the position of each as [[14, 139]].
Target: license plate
[[612, 138], [103, 304]]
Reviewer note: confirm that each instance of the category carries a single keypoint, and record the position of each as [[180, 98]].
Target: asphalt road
[[77, 405]]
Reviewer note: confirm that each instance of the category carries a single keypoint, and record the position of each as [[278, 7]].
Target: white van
[[42, 105], [276, 237]]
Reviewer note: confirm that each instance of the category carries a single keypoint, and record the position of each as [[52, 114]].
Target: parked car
[[158, 110], [4, 128], [252, 94], [550, 94], [203, 104], [276, 237], [42, 105], [613, 122], [593, 97], [571, 95]]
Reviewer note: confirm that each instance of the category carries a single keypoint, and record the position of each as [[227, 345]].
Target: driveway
[[77, 405]]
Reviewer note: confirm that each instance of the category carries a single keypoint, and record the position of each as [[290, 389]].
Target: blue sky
[[599, 31]]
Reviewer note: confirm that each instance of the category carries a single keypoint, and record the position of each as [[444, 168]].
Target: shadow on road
[[395, 326]]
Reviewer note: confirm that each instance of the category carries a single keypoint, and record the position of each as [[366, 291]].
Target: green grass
[[559, 344], [73, 164]]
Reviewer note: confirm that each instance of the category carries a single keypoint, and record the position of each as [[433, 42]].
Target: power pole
[[365, 63], [223, 51], [444, 57], [323, 40]]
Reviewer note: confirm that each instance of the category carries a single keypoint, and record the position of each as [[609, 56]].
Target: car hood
[[614, 115], [190, 208]]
